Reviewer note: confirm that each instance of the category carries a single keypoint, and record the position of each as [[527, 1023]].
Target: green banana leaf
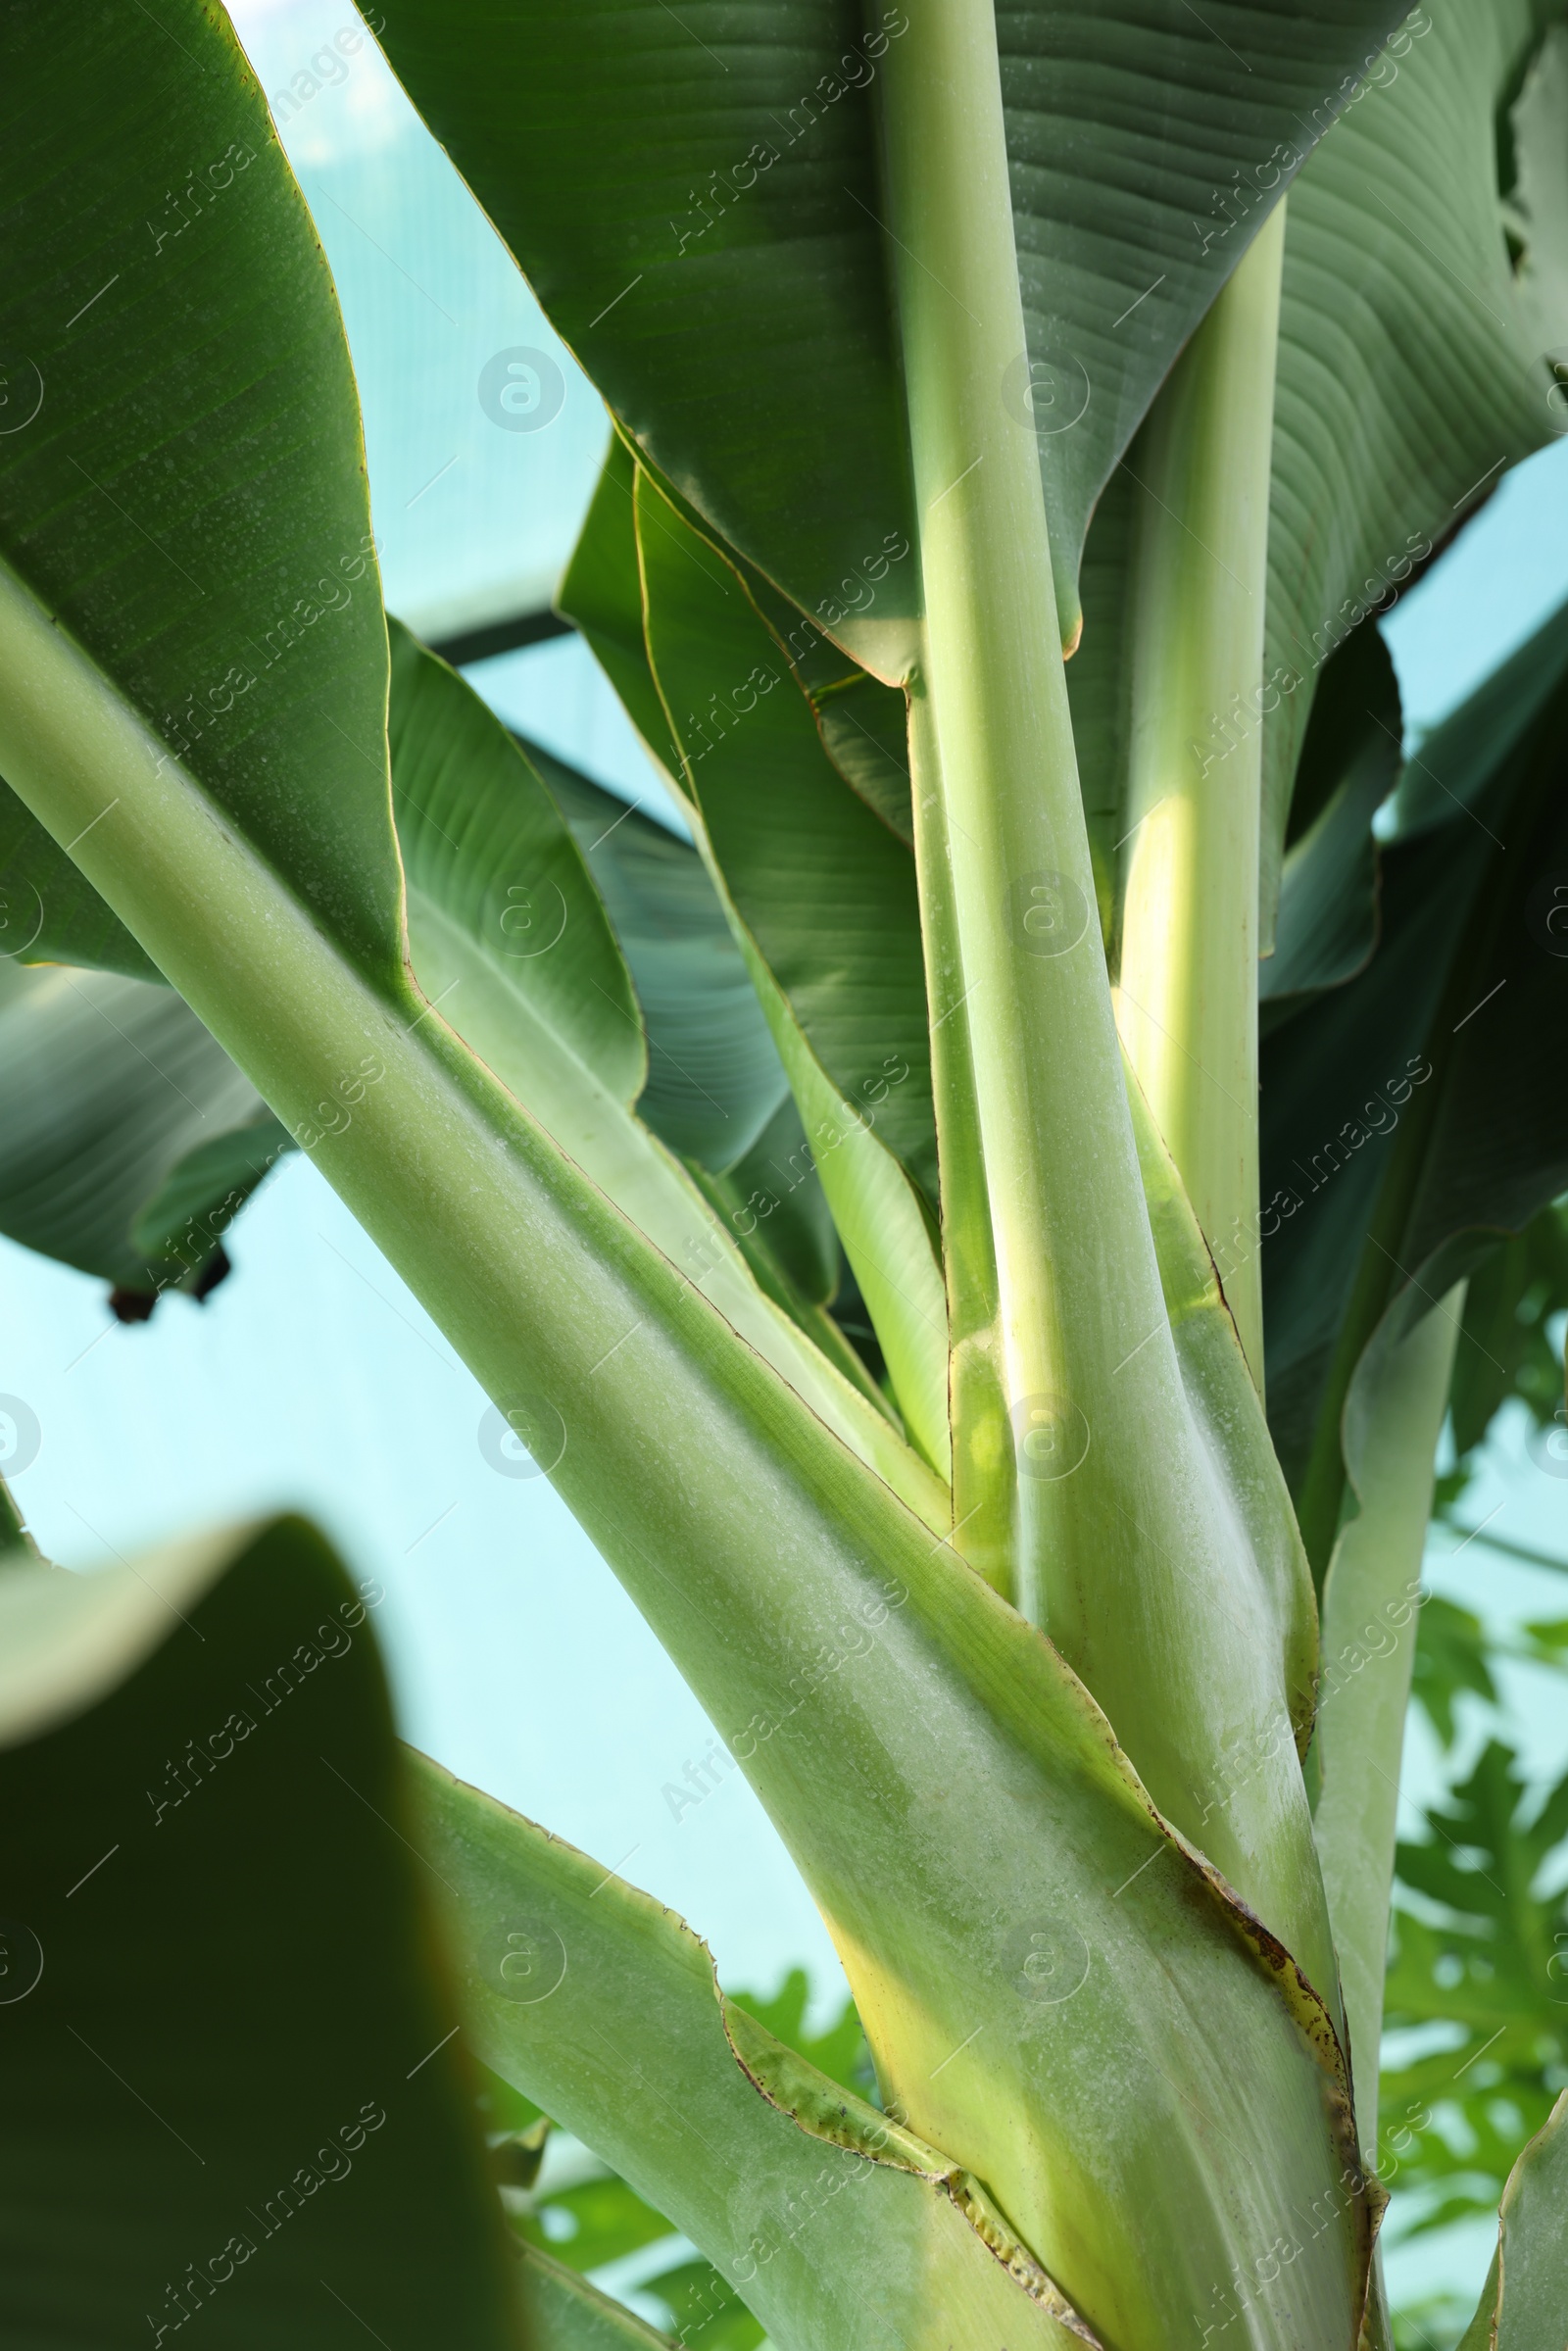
[[209, 1890], [713, 1077], [864, 728], [1415, 1115], [276, 404], [1327, 925], [267, 675], [694, 198], [1418, 316], [600, 593], [49, 912], [1522, 2303], [863, 724], [714, 1081], [133, 1141], [1414, 331], [129, 1141], [705, 1024]]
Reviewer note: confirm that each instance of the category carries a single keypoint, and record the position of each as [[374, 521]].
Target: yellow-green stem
[[1187, 999], [1077, 1286]]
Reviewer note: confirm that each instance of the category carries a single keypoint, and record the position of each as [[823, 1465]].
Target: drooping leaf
[[1326, 928], [823, 902], [128, 1139], [660, 895], [204, 1192], [49, 912], [695, 200], [1411, 365], [196, 1755], [1416, 1114], [824, 889]]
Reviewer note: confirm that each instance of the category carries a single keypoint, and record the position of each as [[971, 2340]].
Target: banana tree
[[865, 1218]]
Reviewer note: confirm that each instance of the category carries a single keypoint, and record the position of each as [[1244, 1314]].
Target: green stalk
[[983, 1513], [1129, 1547], [1371, 1602], [1077, 1283], [1187, 997]]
